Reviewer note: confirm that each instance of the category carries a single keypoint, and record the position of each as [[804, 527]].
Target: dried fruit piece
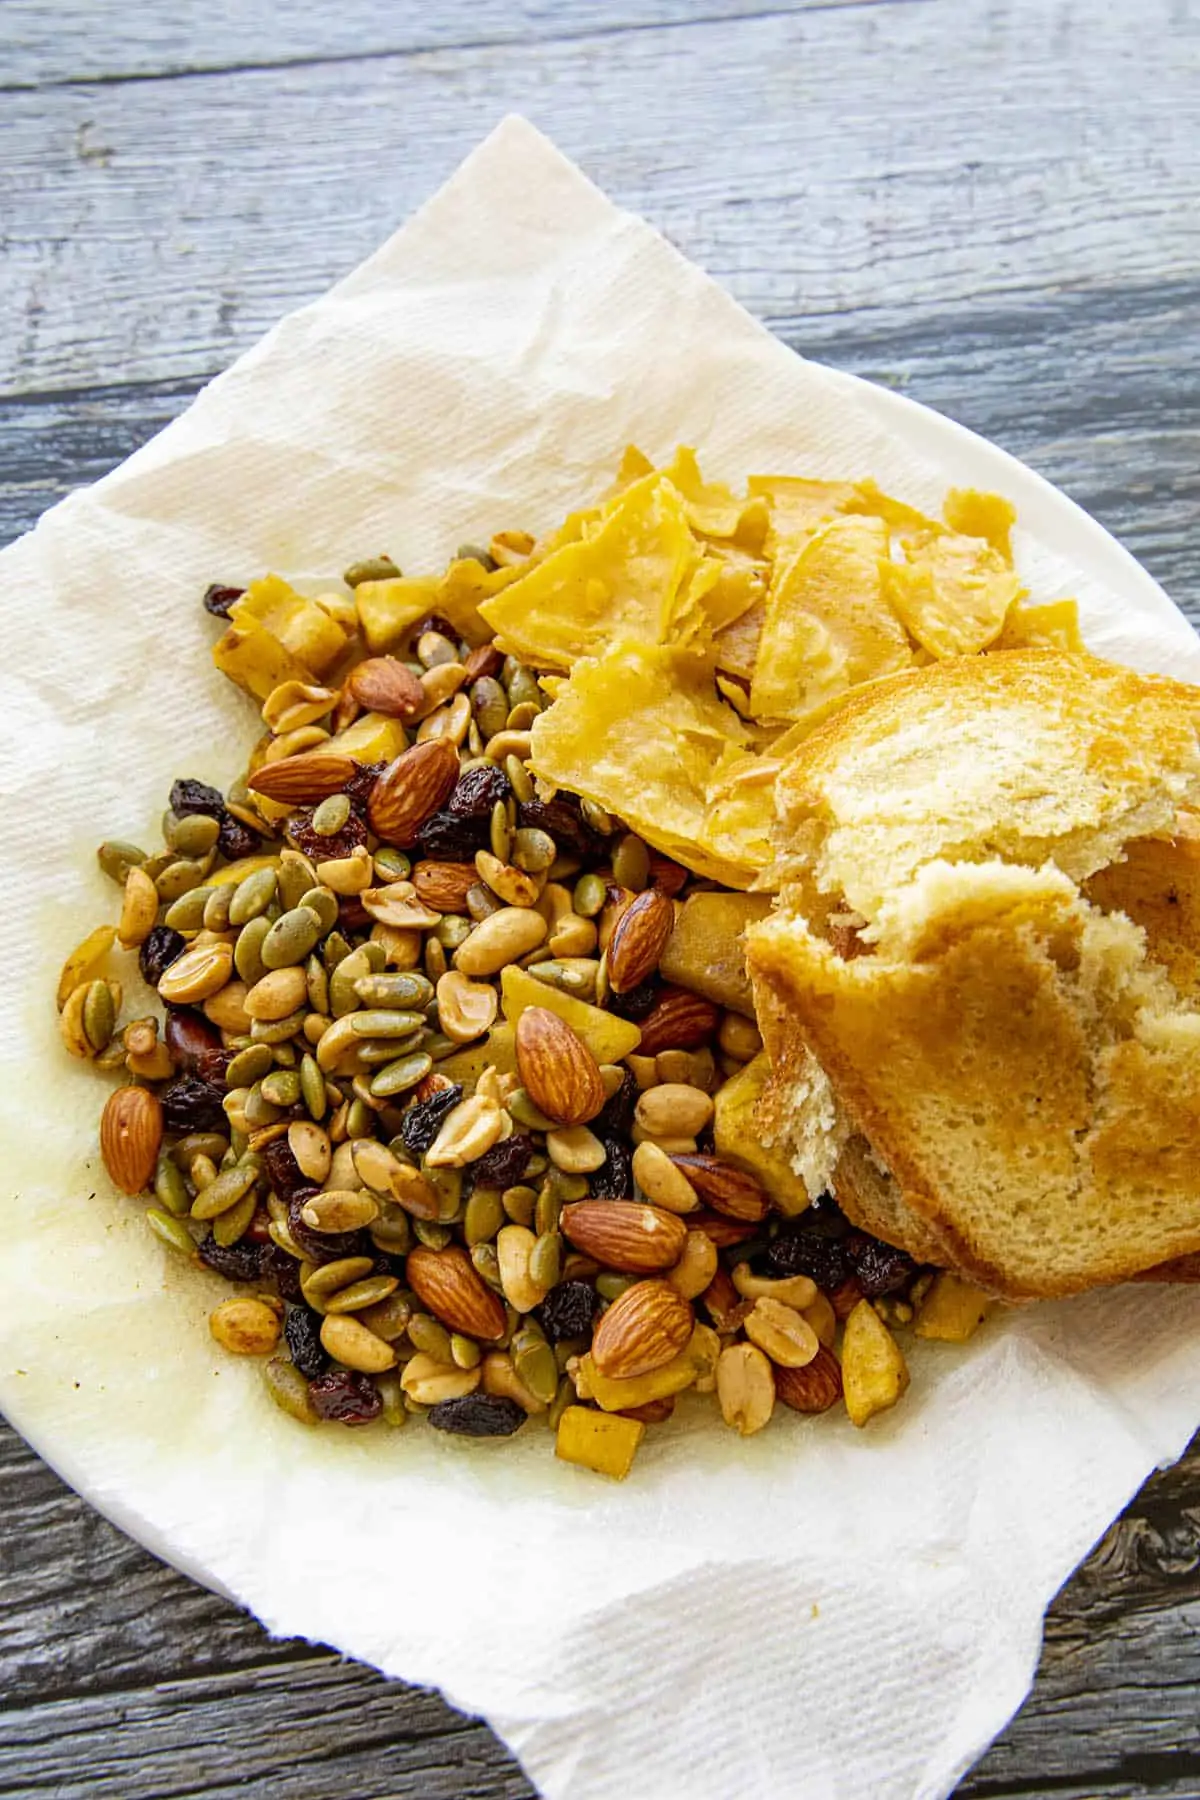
[[642, 1330], [411, 789], [639, 939], [953, 1309], [423, 1120], [302, 1334], [624, 1234], [445, 1281], [346, 1396], [478, 1415], [131, 1129], [558, 1071], [605, 1442], [569, 1310], [874, 1372]]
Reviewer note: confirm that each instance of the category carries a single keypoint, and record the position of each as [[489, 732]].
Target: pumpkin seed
[[373, 1052], [289, 1390], [535, 1364], [252, 895], [193, 835], [277, 1031], [187, 913], [545, 1261], [343, 990], [525, 1113], [519, 779], [320, 1283], [329, 817], [316, 984], [359, 1120], [290, 938], [324, 902], [406, 989], [247, 952], [483, 1217], [486, 1264], [548, 1210], [610, 1286], [116, 858], [180, 876], [532, 849], [296, 877], [359, 1294], [597, 819], [518, 1203], [371, 568], [499, 833], [397, 1077], [591, 896], [227, 1189], [434, 1237], [257, 1110], [98, 1015], [198, 1143], [170, 1189], [523, 689], [430, 1336], [216, 908], [490, 704], [312, 1086], [395, 1408], [391, 865], [384, 1023], [281, 1088], [522, 717], [465, 1351], [334, 950], [229, 1226], [391, 1231], [173, 1232], [574, 976]]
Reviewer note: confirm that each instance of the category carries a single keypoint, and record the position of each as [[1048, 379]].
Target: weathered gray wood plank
[[819, 163]]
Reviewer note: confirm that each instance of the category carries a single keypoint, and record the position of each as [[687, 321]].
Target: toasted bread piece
[[1017, 1063], [1158, 884], [1027, 755]]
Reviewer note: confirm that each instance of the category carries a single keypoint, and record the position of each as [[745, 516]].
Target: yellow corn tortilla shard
[[975, 514], [641, 731], [624, 581], [828, 625], [1055, 624], [953, 593]]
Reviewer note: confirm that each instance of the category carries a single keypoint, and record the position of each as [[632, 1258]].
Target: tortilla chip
[[1055, 625], [828, 625], [737, 645], [798, 506], [975, 514], [623, 582], [953, 593]]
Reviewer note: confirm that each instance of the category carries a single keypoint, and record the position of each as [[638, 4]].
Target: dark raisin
[[352, 914], [196, 797], [477, 791], [345, 1397], [639, 1002], [236, 1262], [284, 1270], [283, 1171], [218, 599], [302, 1331], [458, 829], [478, 1415], [880, 1268], [188, 1035], [504, 1165], [158, 951], [237, 839], [311, 843], [190, 1104], [812, 1253], [213, 1065], [563, 820], [613, 1180], [321, 1246], [358, 788], [616, 1116], [569, 1310], [423, 1120]]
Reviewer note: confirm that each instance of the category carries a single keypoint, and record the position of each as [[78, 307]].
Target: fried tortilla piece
[[714, 510], [798, 506], [1054, 626], [622, 583], [953, 593], [972, 513], [642, 732], [828, 626]]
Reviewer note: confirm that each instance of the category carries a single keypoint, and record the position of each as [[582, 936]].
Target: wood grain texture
[[988, 205]]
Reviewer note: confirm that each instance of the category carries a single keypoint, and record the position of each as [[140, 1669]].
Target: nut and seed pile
[[422, 1095]]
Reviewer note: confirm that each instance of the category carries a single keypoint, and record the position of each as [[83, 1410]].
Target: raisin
[[478, 1415], [358, 788], [188, 1035], [283, 1171], [880, 1267], [218, 599], [458, 829], [477, 791], [158, 951], [189, 797], [236, 1262], [811, 1253], [563, 820], [345, 1397], [352, 914], [569, 1310], [284, 1270], [613, 1180], [504, 1165], [213, 1066], [237, 839], [302, 1331], [321, 1246], [311, 843], [639, 1002], [423, 1120], [190, 1104], [616, 1116]]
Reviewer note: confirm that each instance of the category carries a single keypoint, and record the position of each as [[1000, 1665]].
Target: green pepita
[[343, 988], [518, 1203], [247, 952], [360, 1121], [591, 895], [535, 1364], [290, 938], [567, 977], [98, 1015], [407, 989], [296, 877], [490, 704], [229, 1226], [216, 908], [359, 1294], [195, 834], [525, 1113], [391, 1232], [116, 858], [430, 1336], [170, 1189], [610, 1286], [187, 913], [397, 1077], [289, 1390], [465, 1351], [631, 862], [499, 835], [483, 1217], [545, 1260], [547, 1211], [334, 950], [371, 568], [533, 849], [312, 1086], [329, 817], [249, 1066], [277, 1031], [180, 877], [252, 895], [379, 1023], [395, 1411], [519, 779], [257, 1110], [173, 1232], [324, 902], [326, 1280], [281, 1088], [487, 1265], [373, 1052], [316, 978], [226, 1190], [434, 1237]]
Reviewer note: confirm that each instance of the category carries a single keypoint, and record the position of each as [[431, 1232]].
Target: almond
[[625, 1234], [814, 1388], [723, 1230], [411, 789], [665, 874], [382, 684], [639, 939], [484, 660], [734, 1192], [558, 1071], [722, 1302], [131, 1128], [642, 1330], [678, 1021], [444, 885], [303, 780], [445, 1281], [846, 1297]]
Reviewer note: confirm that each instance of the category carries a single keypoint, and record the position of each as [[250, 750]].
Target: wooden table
[[990, 204]]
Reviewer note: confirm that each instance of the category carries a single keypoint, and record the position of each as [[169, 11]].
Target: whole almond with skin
[[667, 875], [484, 660], [642, 1330], [382, 684], [445, 1281], [411, 789], [678, 1021], [722, 1302], [723, 1230], [734, 1192], [639, 939], [131, 1129], [814, 1388], [303, 780], [444, 885], [625, 1234], [558, 1071]]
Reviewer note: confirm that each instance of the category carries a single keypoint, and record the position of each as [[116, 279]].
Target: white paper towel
[[817, 1612]]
